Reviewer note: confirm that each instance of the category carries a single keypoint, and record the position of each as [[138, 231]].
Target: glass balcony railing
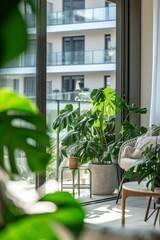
[[79, 95], [68, 58], [76, 16], [69, 96], [25, 60], [82, 16]]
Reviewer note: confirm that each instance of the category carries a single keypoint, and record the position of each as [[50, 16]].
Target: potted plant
[[91, 135]]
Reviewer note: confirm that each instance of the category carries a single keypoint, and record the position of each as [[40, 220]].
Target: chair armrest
[[130, 142]]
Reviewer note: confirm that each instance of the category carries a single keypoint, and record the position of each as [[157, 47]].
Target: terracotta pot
[[73, 162]]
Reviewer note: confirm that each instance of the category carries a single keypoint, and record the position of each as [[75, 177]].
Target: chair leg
[[120, 188], [147, 209], [155, 220]]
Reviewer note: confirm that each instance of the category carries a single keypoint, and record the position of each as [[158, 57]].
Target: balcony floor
[[102, 212]]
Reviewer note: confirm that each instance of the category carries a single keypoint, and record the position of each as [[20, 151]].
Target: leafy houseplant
[[90, 135], [148, 168]]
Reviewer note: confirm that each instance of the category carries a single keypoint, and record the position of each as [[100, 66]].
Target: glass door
[[69, 7], [73, 50]]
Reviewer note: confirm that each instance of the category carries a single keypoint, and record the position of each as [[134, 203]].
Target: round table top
[[134, 186]]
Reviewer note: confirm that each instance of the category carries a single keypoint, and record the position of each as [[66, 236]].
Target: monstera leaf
[[53, 216], [22, 128], [12, 24]]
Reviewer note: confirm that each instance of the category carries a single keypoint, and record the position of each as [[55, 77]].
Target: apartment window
[[27, 8], [49, 7], [49, 53], [73, 4], [30, 86], [107, 47], [30, 54], [29, 16], [110, 11], [73, 50], [49, 87], [2, 82], [107, 41], [72, 83], [16, 85], [107, 81], [70, 15]]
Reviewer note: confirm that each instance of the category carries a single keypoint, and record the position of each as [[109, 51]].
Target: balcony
[[82, 57], [82, 16], [76, 16], [67, 58]]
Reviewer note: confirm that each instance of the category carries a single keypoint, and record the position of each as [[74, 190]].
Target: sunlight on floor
[[104, 214]]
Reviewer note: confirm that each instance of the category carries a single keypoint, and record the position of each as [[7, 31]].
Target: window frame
[[128, 53]]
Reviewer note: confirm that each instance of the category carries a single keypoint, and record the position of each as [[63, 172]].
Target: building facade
[[81, 46]]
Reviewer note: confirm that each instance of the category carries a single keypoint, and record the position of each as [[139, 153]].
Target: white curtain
[[155, 94]]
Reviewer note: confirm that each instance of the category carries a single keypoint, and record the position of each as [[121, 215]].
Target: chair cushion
[[131, 152], [143, 143], [126, 163]]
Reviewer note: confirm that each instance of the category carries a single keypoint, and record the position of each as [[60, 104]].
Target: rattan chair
[[125, 163], [127, 159]]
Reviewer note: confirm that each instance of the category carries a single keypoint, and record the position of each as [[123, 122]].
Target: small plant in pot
[[91, 135]]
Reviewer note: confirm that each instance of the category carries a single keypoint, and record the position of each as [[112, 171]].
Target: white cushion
[[143, 143], [131, 152], [126, 163]]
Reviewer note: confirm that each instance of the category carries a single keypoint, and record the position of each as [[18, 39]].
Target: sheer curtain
[[155, 94]]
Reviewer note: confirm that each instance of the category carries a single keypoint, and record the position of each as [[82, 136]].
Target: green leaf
[[70, 138], [134, 109], [22, 128], [13, 26], [68, 215], [66, 118], [11, 100]]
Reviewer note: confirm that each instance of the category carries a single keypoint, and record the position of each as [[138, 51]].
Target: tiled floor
[[108, 213], [101, 211]]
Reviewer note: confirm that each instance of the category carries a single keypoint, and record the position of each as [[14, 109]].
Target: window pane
[[20, 75]]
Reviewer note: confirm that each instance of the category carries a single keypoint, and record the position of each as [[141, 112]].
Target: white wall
[[57, 5], [92, 41], [146, 56], [56, 81], [94, 3], [97, 41]]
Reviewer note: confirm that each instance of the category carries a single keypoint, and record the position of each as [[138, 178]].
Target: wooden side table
[[77, 185], [132, 189]]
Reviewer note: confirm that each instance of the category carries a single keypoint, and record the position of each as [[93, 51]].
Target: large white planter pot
[[104, 179]]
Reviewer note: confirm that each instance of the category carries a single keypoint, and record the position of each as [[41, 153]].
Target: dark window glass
[[16, 84], [73, 50], [107, 47], [49, 7], [72, 83], [69, 6], [30, 86], [73, 4], [107, 81], [30, 54]]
